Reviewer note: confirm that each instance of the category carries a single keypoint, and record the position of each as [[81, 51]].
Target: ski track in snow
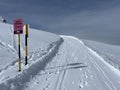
[[8, 66], [66, 65], [61, 77], [110, 85], [89, 71], [8, 47], [18, 82]]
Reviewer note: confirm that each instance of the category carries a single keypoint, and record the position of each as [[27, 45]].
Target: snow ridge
[[19, 81], [97, 55], [101, 58]]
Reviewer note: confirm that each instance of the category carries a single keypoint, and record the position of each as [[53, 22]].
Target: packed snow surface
[[56, 63], [110, 53]]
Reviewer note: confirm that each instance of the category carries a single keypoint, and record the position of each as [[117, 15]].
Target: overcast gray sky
[[90, 19]]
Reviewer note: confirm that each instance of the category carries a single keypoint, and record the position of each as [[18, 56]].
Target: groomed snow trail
[[17, 81], [76, 67]]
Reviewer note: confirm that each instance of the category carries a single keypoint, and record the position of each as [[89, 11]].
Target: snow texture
[[57, 63]]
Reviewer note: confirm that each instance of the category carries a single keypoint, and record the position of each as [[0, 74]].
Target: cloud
[[100, 25], [91, 19]]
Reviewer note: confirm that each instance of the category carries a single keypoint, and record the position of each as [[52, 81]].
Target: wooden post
[[26, 45], [19, 55], [18, 29]]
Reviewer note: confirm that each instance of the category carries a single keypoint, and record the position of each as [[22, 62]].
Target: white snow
[[110, 53], [56, 63], [111, 67]]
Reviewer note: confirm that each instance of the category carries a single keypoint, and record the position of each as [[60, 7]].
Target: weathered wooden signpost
[[18, 29]]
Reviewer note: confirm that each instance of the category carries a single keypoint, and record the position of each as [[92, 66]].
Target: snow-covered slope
[[56, 63], [76, 67], [109, 52], [38, 41], [42, 46]]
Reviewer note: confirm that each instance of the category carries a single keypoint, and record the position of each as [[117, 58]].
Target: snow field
[[42, 46], [56, 63]]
